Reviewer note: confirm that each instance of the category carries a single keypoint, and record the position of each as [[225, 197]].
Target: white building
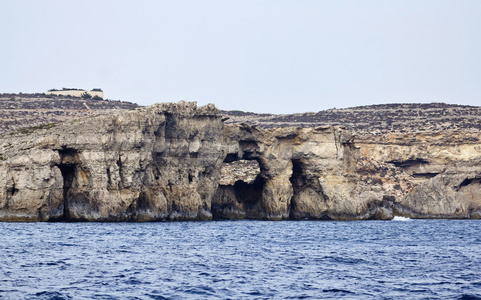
[[76, 92]]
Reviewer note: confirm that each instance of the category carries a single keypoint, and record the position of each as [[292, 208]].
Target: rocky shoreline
[[177, 161]]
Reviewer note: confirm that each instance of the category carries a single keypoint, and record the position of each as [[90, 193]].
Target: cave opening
[[297, 181], [240, 190], [249, 194], [409, 163], [308, 199], [68, 169]]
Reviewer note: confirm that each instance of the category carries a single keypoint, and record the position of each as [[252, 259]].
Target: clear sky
[[262, 56]]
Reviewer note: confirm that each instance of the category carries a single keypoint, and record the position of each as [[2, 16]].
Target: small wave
[[51, 296], [200, 290], [334, 290], [469, 297], [157, 297], [348, 260], [355, 260], [399, 218]]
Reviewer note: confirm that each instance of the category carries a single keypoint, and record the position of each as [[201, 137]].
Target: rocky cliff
[[157, 163], [165, 162]]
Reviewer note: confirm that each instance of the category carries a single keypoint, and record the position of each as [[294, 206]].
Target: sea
[[397, 259]]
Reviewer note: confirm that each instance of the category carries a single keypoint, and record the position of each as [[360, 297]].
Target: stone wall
[[76, 93]]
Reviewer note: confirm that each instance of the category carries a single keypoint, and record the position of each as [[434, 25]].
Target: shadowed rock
[[164, 162]]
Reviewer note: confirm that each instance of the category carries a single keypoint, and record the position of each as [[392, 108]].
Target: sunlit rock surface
[[177, 161]]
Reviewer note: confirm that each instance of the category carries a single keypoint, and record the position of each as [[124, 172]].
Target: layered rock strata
[[159, 163], [165, 162]]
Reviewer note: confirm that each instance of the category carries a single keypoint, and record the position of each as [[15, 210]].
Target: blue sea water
[[414, 259]]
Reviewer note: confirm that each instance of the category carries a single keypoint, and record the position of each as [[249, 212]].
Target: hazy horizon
[[259, 56]]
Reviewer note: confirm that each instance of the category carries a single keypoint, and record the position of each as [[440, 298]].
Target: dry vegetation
[[25, 111], [374, 118], [19, 111]]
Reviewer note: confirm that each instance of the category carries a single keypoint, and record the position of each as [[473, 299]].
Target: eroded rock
[[164, 162], [156, 163]]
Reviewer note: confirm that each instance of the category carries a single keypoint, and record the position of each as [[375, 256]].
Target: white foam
[[398, 218]]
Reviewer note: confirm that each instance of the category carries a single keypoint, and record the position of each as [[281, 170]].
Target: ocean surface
[[400, 259]]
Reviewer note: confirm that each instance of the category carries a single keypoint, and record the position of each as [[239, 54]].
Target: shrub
[[86, 96]]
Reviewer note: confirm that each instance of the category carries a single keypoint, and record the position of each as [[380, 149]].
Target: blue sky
[[262, 56]]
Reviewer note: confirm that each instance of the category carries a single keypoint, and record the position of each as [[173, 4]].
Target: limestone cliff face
[[436, 171], [164, 162], [306, 173], [423, 155], [155, 163], [294, 162], [456, 193]]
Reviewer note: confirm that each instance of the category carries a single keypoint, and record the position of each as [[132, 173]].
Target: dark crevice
[[171, 130], [109, 177], [249, 150], [425, 175], [249, 194], [469, 181], [231, 157], [297, 181], [68, 174], [119, 162], [301, 182], [409, 163], [12, 191], [156, 173], [121, 174], [466, 182], [68, 167], [140, 204], [296, 178]]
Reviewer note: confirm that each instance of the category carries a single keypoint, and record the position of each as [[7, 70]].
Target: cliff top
[[21, 111], [403, 118]]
